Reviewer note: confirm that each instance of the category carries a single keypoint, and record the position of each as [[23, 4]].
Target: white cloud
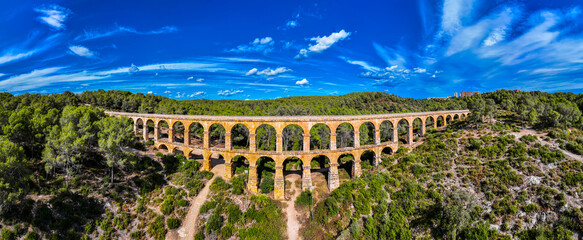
[[199, 93], [268, 71], [42, 78], [253, 71], [264, 45], [454, 12], [133, 69], [53, 15], [419, 70], [228, 92], [302, 82], [200, 79], [167, 92], [81, 51], [190, 78], [150, 92], [10, 56], [291, 24], [94, 34], [322, 43], [363, 64]]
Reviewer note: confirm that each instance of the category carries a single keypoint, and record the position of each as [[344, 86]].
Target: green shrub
[[137, 235], [199, 236], [215, 222], [208, 205], [172, 223], [267, 184], [156, 229], [167, 207], [305, 198], [6, 234], [238, 185], [530, 208], [234, 214], [32, 236], [219, 184]]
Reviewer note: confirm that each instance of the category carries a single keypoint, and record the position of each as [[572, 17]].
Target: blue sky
[[271, 49]]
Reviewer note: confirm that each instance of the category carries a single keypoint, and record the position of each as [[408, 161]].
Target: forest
[[68, 171]]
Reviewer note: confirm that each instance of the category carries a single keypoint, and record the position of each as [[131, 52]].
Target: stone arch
[[319, 136], [178, 132], [448, 119], [177, 150], [322, 164], [162, 146], [139, 125], [150, 129], [418, 128], [240, 136], [403, 131], [266, 138], [293, 138], [368, 159], [429, 123], [387, 131], [295, 166], [266, 167], [463, 116], [344, 135], [387, 151], [440, 121], [239, 164], [196, 134], [367, 134], [456, 117], [163, 130], [346, 164], [217, 135]]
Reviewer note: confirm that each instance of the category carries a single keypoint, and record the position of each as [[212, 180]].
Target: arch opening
[[367, 160], [150, 131], [266, 174], [417, 131], [196, 134], [293, 138], [178, 132], [386, 131], [320, 169], [139, 126], [440, 121], [240, 136], [448, 119], [320, 137], [217, 135], [456, 117], [163, 130], [265, 138], [345, 167], [345, 136], [239, 165], [367, 133], [403, 130], [429, 121]]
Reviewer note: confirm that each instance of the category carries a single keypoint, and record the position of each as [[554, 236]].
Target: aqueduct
[[175, 132]]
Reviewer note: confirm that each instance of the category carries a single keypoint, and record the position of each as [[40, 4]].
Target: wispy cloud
[[44, 77], [94, 34], [196, 94], [264, 45], [363, 64], [53, 15], [228, 92], [24, 49], [268, 71], [322, 43], [81, 51]]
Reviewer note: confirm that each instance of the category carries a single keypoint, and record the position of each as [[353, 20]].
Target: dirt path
[[523, 132], [293, 225], [188, 227]]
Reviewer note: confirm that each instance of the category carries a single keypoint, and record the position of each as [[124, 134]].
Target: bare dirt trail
[[293, 225], [188, 227], [541, 136]]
